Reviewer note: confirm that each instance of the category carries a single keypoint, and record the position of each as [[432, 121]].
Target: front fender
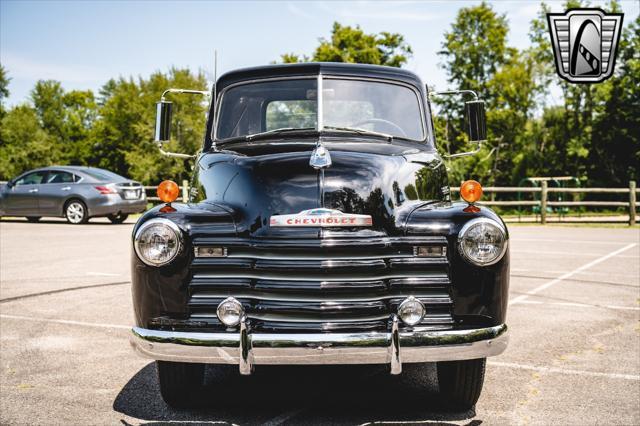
[[480, 293], [159, 291]]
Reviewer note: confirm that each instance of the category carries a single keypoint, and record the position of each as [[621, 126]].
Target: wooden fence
[[542, 203]]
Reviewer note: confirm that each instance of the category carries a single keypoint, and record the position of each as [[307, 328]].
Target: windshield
[[348, 105]]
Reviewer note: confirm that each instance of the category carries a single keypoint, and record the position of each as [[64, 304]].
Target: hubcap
[[75, 212]]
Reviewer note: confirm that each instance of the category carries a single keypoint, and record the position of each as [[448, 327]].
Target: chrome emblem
[[320, 218], [584, 43], [320, 157]]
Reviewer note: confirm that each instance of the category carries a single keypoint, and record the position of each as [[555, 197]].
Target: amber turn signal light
[[471, 191], [168, 191]]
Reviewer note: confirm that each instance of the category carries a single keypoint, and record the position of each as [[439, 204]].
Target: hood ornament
[[320, 157]]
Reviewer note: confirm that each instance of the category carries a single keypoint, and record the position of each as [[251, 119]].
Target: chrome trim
[[472, 223], [245, 352], [176, 230], [319, 277], [320, 99], [320, 348], [284, 296], [196, 252], [394, 348]]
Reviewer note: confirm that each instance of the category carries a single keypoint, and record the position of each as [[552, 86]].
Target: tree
[[614, 157], [24, 144], [123, 134], [4, 89], [475, 47], [476, 57], [353, 45]]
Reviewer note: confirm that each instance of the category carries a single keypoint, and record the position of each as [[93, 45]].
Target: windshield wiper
[[277, 132], [360, 131]]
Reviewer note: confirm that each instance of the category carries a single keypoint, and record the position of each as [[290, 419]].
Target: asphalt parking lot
[[65, 311]]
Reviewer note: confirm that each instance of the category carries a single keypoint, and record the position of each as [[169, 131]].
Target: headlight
[[482, 241], [158, 241]]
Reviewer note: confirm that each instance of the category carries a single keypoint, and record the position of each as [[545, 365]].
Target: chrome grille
[[323, 286]]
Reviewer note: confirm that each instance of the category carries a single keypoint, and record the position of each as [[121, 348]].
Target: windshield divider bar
[[320, 104]]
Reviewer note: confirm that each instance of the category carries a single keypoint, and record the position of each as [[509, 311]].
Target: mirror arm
[[465, 154], [173, 154], [455, 92], [187, 91]]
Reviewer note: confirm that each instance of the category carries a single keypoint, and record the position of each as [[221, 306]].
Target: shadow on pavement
[[299, 395]]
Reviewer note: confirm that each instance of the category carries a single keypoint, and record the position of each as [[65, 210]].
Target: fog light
[[207, 251], [430, 251], [411, 311], [230, 312]]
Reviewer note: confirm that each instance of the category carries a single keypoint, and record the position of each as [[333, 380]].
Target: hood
[[384, 181]]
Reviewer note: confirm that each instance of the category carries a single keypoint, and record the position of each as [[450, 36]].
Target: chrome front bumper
[[247, 349]]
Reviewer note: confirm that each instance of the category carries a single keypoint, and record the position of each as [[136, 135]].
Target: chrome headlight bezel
[[163, 222], [474, 222]]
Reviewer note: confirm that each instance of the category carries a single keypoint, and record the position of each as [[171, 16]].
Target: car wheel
[[118, 218], [179, 381], [461, 382], [33, 219], [76, 212]]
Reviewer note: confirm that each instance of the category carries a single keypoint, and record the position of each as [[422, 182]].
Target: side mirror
[[476, 117], [163, 121]]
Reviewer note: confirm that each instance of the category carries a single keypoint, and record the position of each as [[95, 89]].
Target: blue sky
[[83, 44]]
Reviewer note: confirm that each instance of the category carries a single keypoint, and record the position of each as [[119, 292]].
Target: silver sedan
[[74, 192]]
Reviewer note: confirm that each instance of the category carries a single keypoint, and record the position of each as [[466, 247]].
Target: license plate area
[[130, 194]]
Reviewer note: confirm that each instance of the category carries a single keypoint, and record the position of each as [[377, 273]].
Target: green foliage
[[114, 131], [593, 133], [353, 45], [4, 89], [24, 144]]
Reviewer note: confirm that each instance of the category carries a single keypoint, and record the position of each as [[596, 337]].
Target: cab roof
[[315, 68]]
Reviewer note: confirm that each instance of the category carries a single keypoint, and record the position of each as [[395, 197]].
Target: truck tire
[[461, 382], [179, 381]]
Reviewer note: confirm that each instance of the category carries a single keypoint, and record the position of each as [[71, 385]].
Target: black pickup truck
[[320, 229]]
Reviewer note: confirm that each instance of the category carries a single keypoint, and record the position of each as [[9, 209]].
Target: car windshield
[[365, 107]]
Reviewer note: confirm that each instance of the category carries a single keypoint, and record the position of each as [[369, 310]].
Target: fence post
[[185, 191], [543, 203], [632, 203]]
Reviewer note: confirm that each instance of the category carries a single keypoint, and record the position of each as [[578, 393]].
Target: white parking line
[[546, 240], [68, 322], [543, 252], [580, 305], [552, 271], [102, 274], [542, 369], [570, 274]]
